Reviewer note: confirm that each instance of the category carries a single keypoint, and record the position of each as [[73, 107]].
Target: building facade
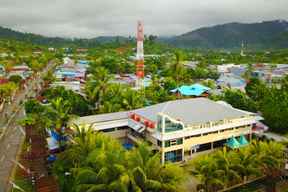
[[177, 129]]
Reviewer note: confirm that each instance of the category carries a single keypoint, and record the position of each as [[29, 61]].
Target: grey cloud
[[90, 18]]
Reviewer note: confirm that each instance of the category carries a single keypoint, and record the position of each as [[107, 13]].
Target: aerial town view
[[143, 96]]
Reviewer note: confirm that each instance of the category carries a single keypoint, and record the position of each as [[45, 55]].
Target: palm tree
[[272, 162], [98, 162], [227, 169], [206, 170], [103, 164], [62, 109], [247, 164], [92, 91], [97, 85], [149, 174], [132, 100]]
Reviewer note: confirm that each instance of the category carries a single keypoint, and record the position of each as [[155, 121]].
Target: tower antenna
[[140, 55]]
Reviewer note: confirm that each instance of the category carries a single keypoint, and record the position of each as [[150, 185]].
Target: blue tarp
[[192, 90], [57, 137], [128, 146], [51, 158]]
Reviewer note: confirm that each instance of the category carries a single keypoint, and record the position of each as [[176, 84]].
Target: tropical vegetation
[[96, 162], [225, 168]]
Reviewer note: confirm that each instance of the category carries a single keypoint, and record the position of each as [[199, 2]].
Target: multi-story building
[[177, 129]]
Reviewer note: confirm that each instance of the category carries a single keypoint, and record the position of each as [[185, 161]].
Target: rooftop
[[101, 118], [191, 90], [231, 80], [191, 111]]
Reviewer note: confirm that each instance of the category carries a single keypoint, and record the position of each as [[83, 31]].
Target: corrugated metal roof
[[190, 111], [191, 90], [101, 118]]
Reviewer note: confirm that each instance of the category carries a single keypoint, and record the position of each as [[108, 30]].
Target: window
[[108, 130], [167, 144], [191, 136], [173, 156], [159, 143], [122, 128], [173, 142], [179, 141], [170, 126]]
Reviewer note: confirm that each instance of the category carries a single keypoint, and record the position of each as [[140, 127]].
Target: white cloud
[[90, 18]]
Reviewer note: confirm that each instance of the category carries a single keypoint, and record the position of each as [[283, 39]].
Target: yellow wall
[[188, 143], [214, 137]]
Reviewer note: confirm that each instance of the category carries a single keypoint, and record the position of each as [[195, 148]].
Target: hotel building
[[179, 128]]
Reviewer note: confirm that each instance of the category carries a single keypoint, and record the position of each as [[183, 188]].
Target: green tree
[[62, 109], [96, 162], [239, 100], [97, 85], [271, 158], [206, 170], [17, 79]]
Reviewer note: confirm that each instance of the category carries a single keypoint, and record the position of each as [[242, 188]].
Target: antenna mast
[[140, 55]]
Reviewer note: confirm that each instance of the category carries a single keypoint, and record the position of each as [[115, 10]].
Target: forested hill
[[6, 33], [264, 35]]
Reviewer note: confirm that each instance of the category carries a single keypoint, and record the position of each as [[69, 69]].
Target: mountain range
[[262, 35], [6, 33]]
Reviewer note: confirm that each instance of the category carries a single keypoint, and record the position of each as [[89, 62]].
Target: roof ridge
[[165, 106]]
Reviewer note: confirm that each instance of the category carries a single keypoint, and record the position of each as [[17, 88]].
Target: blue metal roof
[[192, 90], [83, 62], [231, 80]]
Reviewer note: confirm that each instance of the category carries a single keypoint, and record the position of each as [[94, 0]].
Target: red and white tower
[[140, 55]]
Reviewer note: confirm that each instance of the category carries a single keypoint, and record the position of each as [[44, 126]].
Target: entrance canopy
[[243, 141], [233, 143]]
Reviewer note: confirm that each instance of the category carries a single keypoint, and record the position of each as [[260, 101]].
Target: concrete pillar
[[162, 149], [163, 124], [183, 155], [162, 157], [212, 146]]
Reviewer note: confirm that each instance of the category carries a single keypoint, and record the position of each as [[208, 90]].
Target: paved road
[[14, 135], [276, 137]]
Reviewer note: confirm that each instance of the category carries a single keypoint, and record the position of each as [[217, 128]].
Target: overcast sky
[[91, 18]]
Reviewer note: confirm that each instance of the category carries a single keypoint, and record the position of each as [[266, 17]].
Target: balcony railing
[[188, 131]]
